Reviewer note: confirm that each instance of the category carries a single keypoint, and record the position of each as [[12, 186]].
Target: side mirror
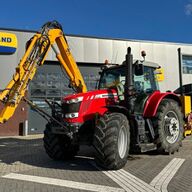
[[139, 69]]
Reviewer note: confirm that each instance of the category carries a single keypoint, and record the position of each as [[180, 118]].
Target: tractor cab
[[143, 82]]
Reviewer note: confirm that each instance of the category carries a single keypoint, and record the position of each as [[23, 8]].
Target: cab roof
[[145, 63]]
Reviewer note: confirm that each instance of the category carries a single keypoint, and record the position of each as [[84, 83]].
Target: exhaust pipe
[[129, 86]]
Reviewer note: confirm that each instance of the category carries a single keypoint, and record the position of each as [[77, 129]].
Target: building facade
[[51, 82]]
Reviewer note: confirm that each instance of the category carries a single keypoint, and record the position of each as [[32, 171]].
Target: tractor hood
[[79, 108], [90, 95]]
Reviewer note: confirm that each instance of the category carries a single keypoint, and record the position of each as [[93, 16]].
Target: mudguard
[[154, 100]]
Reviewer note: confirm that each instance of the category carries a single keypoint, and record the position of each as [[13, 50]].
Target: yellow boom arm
[[51, 35]]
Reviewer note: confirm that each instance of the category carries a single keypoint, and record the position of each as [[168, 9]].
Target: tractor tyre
[[168, 125], [111, 141], [58, 147]]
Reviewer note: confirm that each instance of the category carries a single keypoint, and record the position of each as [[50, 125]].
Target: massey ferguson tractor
[[126, 113]]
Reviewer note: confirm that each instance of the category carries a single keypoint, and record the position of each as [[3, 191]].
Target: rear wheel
[[58, 147], [169, 124], [111, 140]]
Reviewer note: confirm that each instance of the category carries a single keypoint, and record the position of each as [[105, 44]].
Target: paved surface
[[24, 166]]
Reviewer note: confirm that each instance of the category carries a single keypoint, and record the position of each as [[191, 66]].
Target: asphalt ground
[[24, 166]]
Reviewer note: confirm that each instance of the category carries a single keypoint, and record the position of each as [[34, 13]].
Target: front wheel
[[111, 140], [169, 126], [58, 147]]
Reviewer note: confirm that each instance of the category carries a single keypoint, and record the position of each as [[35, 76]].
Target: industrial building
[[89, 52]]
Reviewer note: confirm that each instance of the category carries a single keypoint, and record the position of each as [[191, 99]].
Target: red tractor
[[126, 113]]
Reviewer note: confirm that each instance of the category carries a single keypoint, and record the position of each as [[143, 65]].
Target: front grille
[[70, 107]]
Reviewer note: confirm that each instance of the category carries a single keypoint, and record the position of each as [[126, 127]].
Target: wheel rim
[[122, 142], [171, 127]]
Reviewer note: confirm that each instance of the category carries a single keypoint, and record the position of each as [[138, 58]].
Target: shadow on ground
[[31, 152]]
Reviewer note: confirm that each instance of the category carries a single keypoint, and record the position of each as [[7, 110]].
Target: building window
[[187, 64]]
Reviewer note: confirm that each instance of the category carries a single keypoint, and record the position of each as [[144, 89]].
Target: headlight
[[71, 115], [75, 100]]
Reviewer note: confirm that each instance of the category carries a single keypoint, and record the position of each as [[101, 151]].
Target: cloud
[[188, 9]]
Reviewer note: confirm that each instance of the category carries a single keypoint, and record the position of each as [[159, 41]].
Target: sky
[[154, 20]]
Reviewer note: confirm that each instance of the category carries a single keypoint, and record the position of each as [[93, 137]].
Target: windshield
[[143, 83]]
